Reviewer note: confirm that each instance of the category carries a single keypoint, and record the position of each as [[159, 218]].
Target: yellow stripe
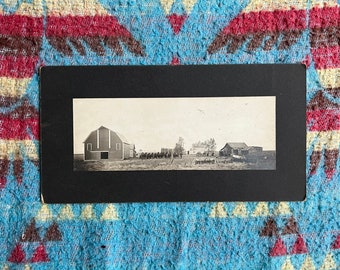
[[76, 8], [17, 148], [11, 87], [270, 5], [329, 78], [323, 139]]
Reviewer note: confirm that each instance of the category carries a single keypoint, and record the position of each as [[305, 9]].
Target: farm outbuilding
[[198, 150], [255, 149], [104, 143], [166, 150], [234, 148]]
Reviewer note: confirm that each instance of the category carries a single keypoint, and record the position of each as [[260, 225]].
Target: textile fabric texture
[[219, 235]]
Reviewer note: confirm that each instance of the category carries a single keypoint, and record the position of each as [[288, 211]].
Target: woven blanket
[[211, 235]]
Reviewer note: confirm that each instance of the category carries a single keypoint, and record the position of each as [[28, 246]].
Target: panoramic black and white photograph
[[210, 133]]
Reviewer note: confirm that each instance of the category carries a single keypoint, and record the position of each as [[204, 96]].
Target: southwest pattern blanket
[[219, 235]]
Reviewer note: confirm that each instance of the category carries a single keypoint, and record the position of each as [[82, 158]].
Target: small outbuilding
[[104, 143], [198, 150], [255, 149], [234, 148], [166, 150]]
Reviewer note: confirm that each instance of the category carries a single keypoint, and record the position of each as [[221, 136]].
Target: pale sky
[[155, 123]]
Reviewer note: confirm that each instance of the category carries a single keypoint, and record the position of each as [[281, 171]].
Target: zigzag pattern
[[279, 25]]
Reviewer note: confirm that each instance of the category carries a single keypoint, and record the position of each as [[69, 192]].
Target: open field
[[264, 161]]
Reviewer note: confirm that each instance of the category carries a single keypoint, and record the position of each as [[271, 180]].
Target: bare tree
[[179, 147], [211, 145]]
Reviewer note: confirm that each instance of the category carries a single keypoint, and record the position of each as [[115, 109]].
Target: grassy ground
[[265, 160], [188, 162]]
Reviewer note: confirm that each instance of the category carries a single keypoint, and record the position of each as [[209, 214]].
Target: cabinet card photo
[[210, 133], [173, 133]]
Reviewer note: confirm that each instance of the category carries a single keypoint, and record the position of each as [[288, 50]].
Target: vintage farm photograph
[[210, 133]]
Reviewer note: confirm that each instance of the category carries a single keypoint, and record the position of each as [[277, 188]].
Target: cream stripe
[[167, 4], [321, 3], [287, 265], [328, 263], [76, 8], [11, 87], [17, 148], [188, 5], [10, 3], [308, 263], [329, 78], [44, 214], [270, 5], [218, 211], [110, 213], [321, 139], [88, 212], [34, 9]]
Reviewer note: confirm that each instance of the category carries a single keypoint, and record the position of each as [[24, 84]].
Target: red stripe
[[314, 162], [14, 129], [326, 57], [323, 17], [267, 21], [17, 66], [76, 26], [323, 120], [24, 111], [331, 158], [19, 25], [4, 163]]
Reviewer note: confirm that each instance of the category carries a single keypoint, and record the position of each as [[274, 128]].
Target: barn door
[[104, 155]]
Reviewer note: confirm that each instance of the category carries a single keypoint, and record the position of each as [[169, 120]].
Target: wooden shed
[[234, 148], [104, 143]]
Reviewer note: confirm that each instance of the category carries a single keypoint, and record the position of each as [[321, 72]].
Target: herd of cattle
[[147, 155], [205, 161], [152, 155]]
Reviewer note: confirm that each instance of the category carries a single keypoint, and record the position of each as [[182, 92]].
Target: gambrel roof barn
[[104, 143]]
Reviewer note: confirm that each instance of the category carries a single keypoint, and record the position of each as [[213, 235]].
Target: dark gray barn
[[104, 143], [234, 148]]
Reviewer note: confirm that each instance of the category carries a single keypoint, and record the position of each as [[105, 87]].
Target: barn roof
[[89, 136], [237, 145], [122, 137]]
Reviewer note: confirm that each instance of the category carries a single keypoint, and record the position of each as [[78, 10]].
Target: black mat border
[[60, 84]]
